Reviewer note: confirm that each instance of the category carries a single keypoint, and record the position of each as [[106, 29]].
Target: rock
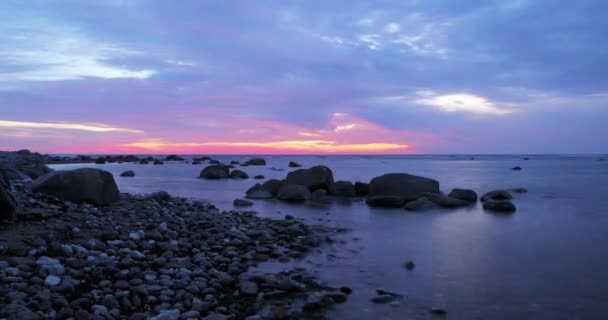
[[319, 194], [255, 162], [383, 298], [496, 195], [214, 161], [215, 171], [420, 204], [238, 174], [248, 287], [438, 311], [81, 185], [100, 160], [162, 196], [293, 192], [173, 157], [217, 316], [8, 209], [294, 164], [52, 281], [242, 203], [443, 201], [259, 195], [518, 168], [259, 177], [158, 162], [502, 206], [128, 173], [519, 190], [317, 177], [37, 171], [195, 162], [143, 161], [361, 188], [463, 194], [15, 311], [409, 265], [399, 185], [343, 189], [167, 315], [386, 201], [272, 186]]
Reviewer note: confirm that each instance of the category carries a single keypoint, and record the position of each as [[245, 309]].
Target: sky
[[291, 77]]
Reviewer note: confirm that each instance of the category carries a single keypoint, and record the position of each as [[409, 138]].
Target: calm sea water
[[549, 260]]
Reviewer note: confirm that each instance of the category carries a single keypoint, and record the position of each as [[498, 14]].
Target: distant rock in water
[[496, 195], [272, 186], [81, 185], [100, 160], [37, 171], [238, 174], [385, 189], [519, 190], [361, 188], [201, 159], [173, 157], [215, 171], [443, 201], [255, 162], [317, 177], [319, 194], [195, 162], [420, 204], [242, 203], [293, 192], [8, 208], [502, 206], [463, 194], [143, 161], [293, 164], [518, 168], [343, 189], [234, 162], [258, 192], [258, 177], [214, 161], [158, 162], [161, 196], [128, 173]]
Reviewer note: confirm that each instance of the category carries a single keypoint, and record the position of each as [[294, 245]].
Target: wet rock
[[386, 201], [52, 281], [519, 190], [8, 209], [463, 194], [259, 195], [255, 162], [158, 162], [443, 201], [217, 316], [161, 196], [518, 168], [167, 315], [319, 194], [238, 174], [174, 157], [143, 161], [343, 189], [439, 311], [317, 177], [293, 193], [259, 177], [16, 311], [81, 185], [496, 195], [272, 186], [361, 188], [215, 171], [503, 206], [409, 265], [37, 171], [242, 203], [100, 160], [128, 173], [293, 164], [399, 185], [248, 287], [420, 204]]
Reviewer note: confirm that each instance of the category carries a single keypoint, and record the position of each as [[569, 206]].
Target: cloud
[[392, 27], [64, 126], [461, 102]]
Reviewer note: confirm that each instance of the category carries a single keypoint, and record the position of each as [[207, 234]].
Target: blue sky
[[428, 76]]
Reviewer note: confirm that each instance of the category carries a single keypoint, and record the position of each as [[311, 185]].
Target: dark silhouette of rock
[[238, 174], [215, 171], [343, 189], [463, 194], [234, 162], [158, 162], [143, 161], [519, 190], [259, 177], [37, 171], [272, 186], [384, 189], [173, 157], [502, 206], [100, 160], [420, 204], [361, 188], [255, 162], [8, 208], [81, 185], [317, 177], [387, 201], [195, 162], [242, 203], [293, 164], [214, 161], [293, 193], [443, 201], [496, 195], [128, 173], [518, 168]]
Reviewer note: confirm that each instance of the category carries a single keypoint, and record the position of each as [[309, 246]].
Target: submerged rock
[[173, 157], [386, 201], [361, 188], [255, 162], [502, 206], [496, 195], [242, 203], [343, 189], [443, 201], [215, 171], [81, 185], [463, 194], [259, 177], [386, 189], [317, 177], [158, 162], [518, 168], [293, 192], [238, 174], [293, 164], [420, 204], [128, 173]]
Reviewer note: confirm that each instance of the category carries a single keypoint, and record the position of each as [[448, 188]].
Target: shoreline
[[153, 256]]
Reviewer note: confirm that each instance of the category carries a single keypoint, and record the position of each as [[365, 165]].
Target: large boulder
[[215, 171], [343, 189], [294, 193], [272, 186], [501, 206], [496, 195], [386, 201], [443, 201], [173, 157], [255, 162], [403, 185], [317, 177], [361, 188], [238, 174], [463, 194], [7, 203], [420, 205], [37, 171], [81, 185]]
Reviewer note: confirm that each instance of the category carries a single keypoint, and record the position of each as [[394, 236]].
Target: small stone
[[409, 265], [52, 281], [167, 315]]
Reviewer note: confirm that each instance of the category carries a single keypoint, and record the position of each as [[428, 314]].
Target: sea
[[548, 260]]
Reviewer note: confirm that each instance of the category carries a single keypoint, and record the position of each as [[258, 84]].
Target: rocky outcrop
[[174, 157], [496, 195], [238, 174], [293, 192], [81, 185], [293, 164], [128, 173], [8, 208], [387, 188], [272, 186], [343, 189], [361, 188], [255, 162], [100, 160], [317, 177], [36, 171], [463, 194], [215, 171]]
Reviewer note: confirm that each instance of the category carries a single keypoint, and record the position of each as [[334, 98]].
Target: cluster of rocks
[[106, 255]]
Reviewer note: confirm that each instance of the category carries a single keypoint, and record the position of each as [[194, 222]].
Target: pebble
[[52, 281]]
